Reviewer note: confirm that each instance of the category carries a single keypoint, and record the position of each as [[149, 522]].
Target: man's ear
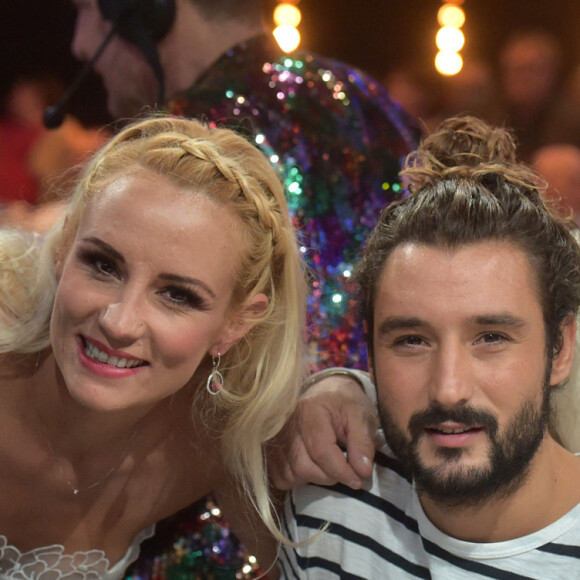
[[240, 323], [562, 363]]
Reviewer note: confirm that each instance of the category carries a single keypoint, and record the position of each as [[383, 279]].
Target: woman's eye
[[183, 297], [100, 264], [105, 266]]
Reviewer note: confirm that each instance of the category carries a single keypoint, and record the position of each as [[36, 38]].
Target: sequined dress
[[338, 142]]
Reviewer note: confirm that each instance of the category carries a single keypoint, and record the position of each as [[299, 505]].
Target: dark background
[[376, 35]]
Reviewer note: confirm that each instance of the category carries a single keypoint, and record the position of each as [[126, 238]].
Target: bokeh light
[[451, 15], [449, 39], [287, 37], [448, 63], [287, 14]]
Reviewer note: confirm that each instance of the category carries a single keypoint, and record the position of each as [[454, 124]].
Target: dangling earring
[[215, 381]]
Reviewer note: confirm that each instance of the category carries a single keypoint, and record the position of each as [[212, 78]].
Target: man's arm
[[336, 413]]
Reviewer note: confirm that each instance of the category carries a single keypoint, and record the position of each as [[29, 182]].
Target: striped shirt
[[381, 532]]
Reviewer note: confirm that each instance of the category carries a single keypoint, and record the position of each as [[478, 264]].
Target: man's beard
[[508, 461]]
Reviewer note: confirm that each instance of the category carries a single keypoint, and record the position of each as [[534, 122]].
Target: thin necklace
[[113, 469], [58, 460]]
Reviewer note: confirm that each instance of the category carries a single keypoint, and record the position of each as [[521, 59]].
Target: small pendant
[[75, 491]]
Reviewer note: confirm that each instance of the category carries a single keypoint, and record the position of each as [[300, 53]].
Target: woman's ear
[[240, 323], [562, 363], [62, 248]]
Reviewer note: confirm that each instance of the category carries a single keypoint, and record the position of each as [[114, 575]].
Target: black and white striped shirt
[[381, 532]]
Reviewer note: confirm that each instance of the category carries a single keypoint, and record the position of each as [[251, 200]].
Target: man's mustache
[[465, 414]]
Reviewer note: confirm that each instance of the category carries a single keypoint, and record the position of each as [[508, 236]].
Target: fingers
[[330, 438], [360, 452], [292, 466], [328, 457], [361, 427]]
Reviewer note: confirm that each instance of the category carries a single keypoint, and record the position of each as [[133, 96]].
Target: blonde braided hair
[[264, 371]]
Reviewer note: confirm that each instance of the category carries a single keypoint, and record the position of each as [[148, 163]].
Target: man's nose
[[451, 383]]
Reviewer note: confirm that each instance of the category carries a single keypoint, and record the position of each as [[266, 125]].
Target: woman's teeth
[[123, 363]]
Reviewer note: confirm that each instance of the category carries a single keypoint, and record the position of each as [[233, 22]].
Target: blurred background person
[[20, 128], [420, 91], [532, 98], [560, 167], [36, 164]]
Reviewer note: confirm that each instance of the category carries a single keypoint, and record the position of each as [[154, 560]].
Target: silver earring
[[215, 381]]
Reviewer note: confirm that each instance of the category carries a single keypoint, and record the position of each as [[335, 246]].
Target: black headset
[[136, 18], [141, 22]]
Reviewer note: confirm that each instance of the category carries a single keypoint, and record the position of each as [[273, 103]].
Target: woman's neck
[[74, 429]]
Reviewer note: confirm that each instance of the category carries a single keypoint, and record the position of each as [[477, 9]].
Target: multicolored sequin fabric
[[195, 544], [338, 142]]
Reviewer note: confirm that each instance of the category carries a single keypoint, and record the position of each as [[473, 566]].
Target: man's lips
[[453, 434], [452, 428]]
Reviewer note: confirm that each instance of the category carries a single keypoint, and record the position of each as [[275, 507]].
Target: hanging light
[[287, 17], [450, 39], [448, 63], [287, 14], [287, 37], [451, 15]]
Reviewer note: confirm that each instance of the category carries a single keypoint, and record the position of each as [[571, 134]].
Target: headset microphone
[[54, 115]]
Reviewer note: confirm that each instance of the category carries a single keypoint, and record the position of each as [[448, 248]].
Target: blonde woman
[[151, 344]]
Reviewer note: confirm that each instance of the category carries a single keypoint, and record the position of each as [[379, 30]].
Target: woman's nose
[[122, 321]]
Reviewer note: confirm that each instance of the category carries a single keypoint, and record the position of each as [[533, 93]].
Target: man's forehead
[[492, 275]]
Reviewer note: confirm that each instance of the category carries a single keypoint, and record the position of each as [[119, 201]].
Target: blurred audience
[[419, 89], [474, 91], [529, 90], [560, 167], [20, 128], [36, 165], [532, 97]]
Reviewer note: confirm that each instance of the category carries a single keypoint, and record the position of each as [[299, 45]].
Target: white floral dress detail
[[51, 563]]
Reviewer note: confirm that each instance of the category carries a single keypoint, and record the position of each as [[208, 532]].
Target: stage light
[[287, 17], [448, 63], [287, 14], [287, 37], [449, 39], [451, 15]]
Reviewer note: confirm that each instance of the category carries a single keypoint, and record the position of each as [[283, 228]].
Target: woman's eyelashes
[[104, 267], [181, 297], [100, 264]]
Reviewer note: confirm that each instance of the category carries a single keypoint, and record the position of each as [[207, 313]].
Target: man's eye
[[492, 337], [409, 341]]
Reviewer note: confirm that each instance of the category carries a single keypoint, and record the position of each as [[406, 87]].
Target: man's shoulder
[[371, 531]]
